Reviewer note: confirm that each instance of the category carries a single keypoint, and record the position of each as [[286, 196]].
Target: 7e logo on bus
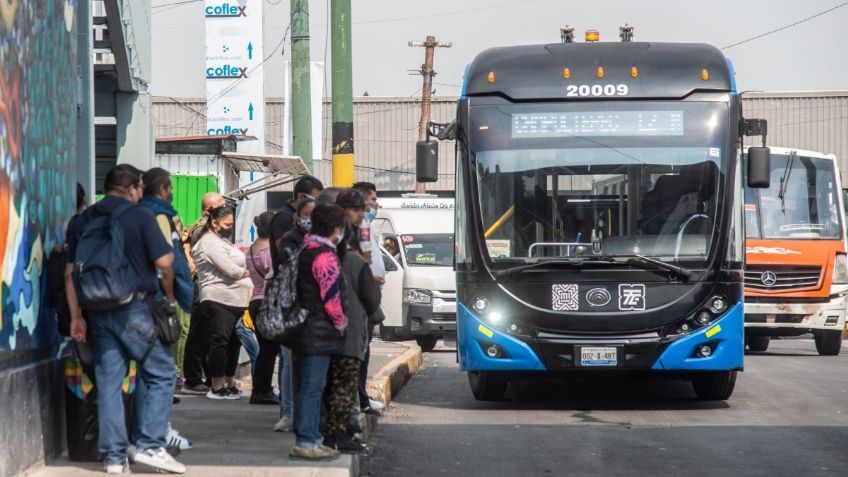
[[597, 90]]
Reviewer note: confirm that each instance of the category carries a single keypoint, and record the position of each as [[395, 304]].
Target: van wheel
[[427, 343], [389, 333], [487, 386], [828, 343], [715, 385], [758, 343]]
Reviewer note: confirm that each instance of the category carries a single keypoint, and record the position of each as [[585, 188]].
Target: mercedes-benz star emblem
[[768, 278], [598, 297]]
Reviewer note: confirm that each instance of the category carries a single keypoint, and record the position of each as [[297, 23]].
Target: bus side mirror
[[427, 161], [759, 167]]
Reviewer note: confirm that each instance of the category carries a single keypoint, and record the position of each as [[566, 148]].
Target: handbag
[[168, 327]]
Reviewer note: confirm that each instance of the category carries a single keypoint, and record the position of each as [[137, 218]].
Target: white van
[[419, 297]]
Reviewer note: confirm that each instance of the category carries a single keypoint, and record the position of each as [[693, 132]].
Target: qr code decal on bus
[[565, 297]]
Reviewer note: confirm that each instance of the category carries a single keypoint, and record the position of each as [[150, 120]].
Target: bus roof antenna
[[625, 32]]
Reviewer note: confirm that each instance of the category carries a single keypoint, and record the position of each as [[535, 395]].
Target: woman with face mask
[[293, 239], [225, 289]]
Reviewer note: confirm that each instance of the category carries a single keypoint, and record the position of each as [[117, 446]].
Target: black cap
[[350, 199]]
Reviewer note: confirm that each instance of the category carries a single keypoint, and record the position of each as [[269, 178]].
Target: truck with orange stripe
[[796, 272]]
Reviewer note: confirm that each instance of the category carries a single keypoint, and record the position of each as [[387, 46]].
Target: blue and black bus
[[599, 213]]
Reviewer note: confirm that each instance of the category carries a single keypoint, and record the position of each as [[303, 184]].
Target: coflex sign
[[226, 10]]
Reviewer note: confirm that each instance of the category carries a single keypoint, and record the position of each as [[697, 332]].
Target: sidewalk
[[234, 438]]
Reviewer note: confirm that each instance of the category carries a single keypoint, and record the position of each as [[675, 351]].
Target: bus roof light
[[566, 73], [592, 36], [600, 72], [705, 75], [491, 77], [625, 32], [634, 72]]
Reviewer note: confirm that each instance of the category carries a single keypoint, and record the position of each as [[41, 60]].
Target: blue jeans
[[121, 335], [248, 339], [312, 377], [285, 380]]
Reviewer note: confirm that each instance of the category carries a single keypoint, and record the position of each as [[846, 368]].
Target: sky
[[809, 56]]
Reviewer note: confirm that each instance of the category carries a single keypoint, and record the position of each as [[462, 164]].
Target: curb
[[393, 376]]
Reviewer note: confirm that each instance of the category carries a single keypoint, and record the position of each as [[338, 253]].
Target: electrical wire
[[824, 12]]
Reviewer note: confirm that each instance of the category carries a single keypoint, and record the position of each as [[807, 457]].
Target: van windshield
[[434, 250]]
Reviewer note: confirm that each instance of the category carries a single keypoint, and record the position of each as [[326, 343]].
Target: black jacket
[[319, 336], [282, 222], [361, 299]]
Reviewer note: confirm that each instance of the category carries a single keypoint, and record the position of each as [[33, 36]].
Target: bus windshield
[[586, 179], [802, 202]]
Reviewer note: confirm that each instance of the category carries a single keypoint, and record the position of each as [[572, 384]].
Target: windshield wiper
[[640, 260], [572, 262], [784, 181]]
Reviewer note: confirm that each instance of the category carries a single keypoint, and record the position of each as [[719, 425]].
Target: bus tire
[[487, 386], [828, 343], [714, 385], [758, 343], [427, 342]]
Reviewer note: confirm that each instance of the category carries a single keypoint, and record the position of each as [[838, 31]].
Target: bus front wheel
[[487, 386], [714, 385]]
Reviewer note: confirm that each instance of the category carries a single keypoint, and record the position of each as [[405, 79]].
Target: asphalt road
[[787, 417]]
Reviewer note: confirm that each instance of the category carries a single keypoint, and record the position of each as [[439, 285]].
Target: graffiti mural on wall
[[37, 156]]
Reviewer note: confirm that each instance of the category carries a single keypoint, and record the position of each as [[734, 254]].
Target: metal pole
[[426, 91], [342, 77], [301, 107]]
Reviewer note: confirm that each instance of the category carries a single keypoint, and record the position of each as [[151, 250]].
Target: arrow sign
[[250, 111], [249, 50]]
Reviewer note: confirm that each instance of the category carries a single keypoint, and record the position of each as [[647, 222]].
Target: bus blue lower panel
[[724, 336]]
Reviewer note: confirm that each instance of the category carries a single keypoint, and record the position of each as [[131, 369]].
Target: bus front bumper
[[475, 340]]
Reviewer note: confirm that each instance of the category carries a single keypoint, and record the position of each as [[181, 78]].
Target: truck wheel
[[758, 343], [427, 343], [715, 385], [487, 386], [828, 343]]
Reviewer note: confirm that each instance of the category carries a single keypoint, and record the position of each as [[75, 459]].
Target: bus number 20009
[[597, 90]]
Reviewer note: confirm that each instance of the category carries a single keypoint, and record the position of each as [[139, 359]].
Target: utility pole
[[301, 103], [342, 77], [427, 73]]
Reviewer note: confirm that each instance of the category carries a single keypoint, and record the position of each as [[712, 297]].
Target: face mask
[[305, 224], [340, 239], [225, 233], [371, 214]]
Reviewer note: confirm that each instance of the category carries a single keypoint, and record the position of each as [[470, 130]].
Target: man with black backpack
[[115, 253]]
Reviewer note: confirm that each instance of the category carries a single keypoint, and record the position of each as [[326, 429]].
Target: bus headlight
[[495, 318], [840, 269], [717, 304], [480, 304], [417, 296]]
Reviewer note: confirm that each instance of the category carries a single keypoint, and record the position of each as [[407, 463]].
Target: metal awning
[[279, 169]]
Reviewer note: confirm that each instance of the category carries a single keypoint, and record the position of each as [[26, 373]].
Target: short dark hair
[[351, 199], [81, 197], [306, 184], [120, 177], [263, 224], [154, 179], [328, 195], [365, 187], [325, 219], [302, 204]]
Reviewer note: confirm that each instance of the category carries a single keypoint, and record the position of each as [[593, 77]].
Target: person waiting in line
[[196, 349], [225, 288], [361, 296], [126, 331], [319, 286], [305, 187]]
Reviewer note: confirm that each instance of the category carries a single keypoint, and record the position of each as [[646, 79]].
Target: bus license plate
[[598, 356]]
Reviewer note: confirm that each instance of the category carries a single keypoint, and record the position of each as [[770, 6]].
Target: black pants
[[196, 348], [223, 341], [268, 352], [363, 372]]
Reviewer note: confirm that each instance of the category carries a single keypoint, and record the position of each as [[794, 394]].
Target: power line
[[444, 14], [824, 12], [164, 7]]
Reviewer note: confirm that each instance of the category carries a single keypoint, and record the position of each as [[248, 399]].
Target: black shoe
[[176, 400], [330, 441], [264, 398], [370, 411], [350, 445]]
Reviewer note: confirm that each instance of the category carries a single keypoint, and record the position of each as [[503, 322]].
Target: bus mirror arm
[[759, 158]]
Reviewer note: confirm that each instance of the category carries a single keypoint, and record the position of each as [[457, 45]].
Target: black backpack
[[103, 275], [280, 317]]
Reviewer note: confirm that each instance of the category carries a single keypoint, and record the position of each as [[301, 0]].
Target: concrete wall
[[38, 170]]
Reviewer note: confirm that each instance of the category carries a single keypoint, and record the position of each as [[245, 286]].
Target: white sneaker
[[117, 468], [159, 459], [285, 424], [174, 439], [376, 405]]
